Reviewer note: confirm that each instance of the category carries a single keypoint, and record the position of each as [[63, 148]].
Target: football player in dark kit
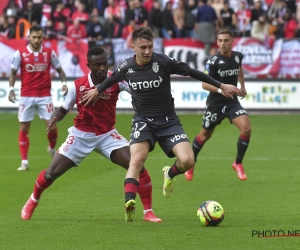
[[155, 120], [225, 66]]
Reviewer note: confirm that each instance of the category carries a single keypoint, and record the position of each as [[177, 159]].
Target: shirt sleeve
[[55, 61], [16, 62], [70, 99], [209, 68], [124, 87], [175, 67]]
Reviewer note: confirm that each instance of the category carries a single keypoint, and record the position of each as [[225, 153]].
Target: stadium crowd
[[99, 19]]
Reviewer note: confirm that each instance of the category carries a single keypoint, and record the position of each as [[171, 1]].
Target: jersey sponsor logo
[[130, 71], [24, 54], [229, 72], [146, 84], [37, 67], [155, 67], [178, 137], [241, 111], [121, 66]]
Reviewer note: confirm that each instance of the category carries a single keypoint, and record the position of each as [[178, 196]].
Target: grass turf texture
[[84, 208]]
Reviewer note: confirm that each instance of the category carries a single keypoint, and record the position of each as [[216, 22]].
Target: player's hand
[[12, 96], [242, 92], [229, 90], [90, 96], [52, 123], [64, 89]]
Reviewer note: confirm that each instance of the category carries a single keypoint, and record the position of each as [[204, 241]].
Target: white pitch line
[[165, 157]]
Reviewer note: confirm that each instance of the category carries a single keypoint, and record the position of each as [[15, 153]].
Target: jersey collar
[[30, 50]]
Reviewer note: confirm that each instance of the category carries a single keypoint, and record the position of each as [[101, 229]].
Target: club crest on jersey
[[237, 59], [82, 88], [155, 67], [36, 59], [130, 71]]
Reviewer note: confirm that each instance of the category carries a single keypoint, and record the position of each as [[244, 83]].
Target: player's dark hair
[[35, 28], [142, 32], [95, 51], [225, 31]]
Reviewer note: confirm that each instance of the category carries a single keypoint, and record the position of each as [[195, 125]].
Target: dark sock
[[197, 146], [131, 187], [242, 146], [173, 171]]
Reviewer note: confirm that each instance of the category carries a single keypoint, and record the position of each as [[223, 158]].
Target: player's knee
[[137, 161], [246, 130], [50, 176], [187, 161]]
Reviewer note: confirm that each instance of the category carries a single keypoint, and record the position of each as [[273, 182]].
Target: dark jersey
[[225, 70], [150, 84]]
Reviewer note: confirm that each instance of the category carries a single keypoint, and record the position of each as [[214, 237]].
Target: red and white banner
[[280, 61]]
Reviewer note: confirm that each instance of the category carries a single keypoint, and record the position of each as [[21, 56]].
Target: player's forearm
[[200, 76], [62, 75], [209, 87], [59, 113], [12, 79], [108, 82], [241, 78]]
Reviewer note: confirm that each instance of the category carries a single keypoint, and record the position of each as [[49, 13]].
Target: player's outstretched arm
[[92, 95], [63, 78], [57, 116], [228, 89]]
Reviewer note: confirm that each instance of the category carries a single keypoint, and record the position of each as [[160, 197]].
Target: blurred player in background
[[225, 66], [93, 130], [35, 62], [148, 75]]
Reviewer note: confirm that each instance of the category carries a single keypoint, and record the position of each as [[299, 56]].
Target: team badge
[[36, 59], [24, 54], [136, 134], [82, 88], [237, 59], [155, 67], [207, 123]]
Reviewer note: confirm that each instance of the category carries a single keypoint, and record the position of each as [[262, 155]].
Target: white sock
[[147, 210], [25, 162]]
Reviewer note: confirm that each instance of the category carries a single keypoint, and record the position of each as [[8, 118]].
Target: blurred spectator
[[260, 29], [217, 5], [76, 30], [49, 32], [61, 14], [46, 12], [257, 11], [22, 28], [272, 16], [292, 5], [61, 30], [30, 13], [100, 5], [148, 4], [290, 25], [179, 16], [113, 28], [206, 26], [155, 18], [168, 22], [228, 17], [243, 19], [136, 12], [11, 15], [113, 9], [95, 30], [190, 19], [80, 14], [12, 5], [3, 26], [127, 31]]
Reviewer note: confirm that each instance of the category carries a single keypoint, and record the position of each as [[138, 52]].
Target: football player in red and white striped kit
[[34, 62], [93, 130]]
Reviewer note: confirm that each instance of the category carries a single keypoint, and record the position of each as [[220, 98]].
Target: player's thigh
[[239, 117], [139, 152], [27, 108], [114, 147], [184, 153], [142, 130], [59, 165], [213, 116], [45, 107], [76, 148], [170, 136]]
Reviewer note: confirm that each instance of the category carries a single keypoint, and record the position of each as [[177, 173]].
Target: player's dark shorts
[[215, 114], [167, 131]]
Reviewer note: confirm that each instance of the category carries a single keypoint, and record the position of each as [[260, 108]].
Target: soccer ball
[[210, 213]]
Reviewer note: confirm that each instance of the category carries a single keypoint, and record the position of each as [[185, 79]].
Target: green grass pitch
[[84, 208]]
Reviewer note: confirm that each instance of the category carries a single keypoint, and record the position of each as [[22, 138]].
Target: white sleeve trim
[[16, 62]]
